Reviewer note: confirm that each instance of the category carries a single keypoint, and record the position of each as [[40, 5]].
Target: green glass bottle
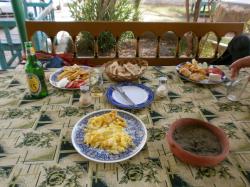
[[35, 73]]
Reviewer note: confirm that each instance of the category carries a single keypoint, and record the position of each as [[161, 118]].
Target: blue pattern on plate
[[206, 81], [135, 128], [150, 99]]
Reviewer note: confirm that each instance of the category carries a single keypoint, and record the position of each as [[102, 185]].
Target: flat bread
[[126, 69], [130, 69]]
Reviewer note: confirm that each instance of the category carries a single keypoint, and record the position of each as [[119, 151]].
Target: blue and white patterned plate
[[135, 128], [205, 81], [140, 94], [53, 78]]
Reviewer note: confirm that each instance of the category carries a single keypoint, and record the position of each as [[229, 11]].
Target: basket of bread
[[125, 70]]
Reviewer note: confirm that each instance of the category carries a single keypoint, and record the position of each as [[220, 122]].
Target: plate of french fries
[[109, 136], [200, 73], [70, 77]]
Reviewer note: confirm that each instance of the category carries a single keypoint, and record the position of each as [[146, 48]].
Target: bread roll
[[184, 71]]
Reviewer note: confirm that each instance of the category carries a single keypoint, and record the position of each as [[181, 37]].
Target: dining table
[[36, 148]]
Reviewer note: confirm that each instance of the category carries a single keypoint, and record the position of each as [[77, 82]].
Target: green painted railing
[[8, 45], [203, 5], [32, 11], [39, 10]]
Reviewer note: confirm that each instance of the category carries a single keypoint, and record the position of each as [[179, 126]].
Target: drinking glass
[[236, 88], [96, 82]]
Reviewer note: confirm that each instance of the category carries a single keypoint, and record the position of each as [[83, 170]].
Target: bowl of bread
[[125, 69]]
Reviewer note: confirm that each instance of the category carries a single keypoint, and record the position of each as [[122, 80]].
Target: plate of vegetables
[[70, 77]]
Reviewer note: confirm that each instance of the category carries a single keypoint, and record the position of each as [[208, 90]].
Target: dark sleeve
[[224, 59]]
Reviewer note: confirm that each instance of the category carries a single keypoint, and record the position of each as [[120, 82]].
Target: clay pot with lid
[[190, 157]]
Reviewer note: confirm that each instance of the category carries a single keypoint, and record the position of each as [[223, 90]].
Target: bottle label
[[34, 84]]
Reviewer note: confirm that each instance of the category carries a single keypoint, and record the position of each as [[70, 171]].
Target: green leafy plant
[[247, 27], [102, 10]]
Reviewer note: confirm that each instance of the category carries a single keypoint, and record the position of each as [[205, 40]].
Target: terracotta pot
[[192, 158]]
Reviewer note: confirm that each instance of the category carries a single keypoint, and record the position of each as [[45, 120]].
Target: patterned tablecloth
[[36, 149]]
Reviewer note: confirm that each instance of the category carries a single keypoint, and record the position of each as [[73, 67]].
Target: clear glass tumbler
[[96, 83], [236, 88]]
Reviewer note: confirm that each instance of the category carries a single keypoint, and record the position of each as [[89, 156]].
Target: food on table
[[126, 69], [73, 72], [214, 77], [215, 70], [197, 72], [63, 82], [185, 71], [197, 77], [197, 139], [107, 132], [75, 83], [72, 77]]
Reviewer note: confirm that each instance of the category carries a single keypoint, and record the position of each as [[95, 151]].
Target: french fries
[[73, 72]]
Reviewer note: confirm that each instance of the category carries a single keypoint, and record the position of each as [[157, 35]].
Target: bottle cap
[[163, 79], [28, 44]]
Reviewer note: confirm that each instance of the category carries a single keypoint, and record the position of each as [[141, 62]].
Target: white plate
[[136, 94], [205, 81], [53, 78], [140, 94]]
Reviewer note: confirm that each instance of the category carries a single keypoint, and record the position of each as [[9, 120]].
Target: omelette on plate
[[108, 132]]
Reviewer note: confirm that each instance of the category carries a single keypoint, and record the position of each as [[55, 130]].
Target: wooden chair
[[138, 28]]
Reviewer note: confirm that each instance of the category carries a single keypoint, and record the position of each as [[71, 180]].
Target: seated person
[[239, 47], [238, 64], [237, 54]]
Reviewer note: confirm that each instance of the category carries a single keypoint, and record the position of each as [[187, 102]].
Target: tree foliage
[[103, 10]]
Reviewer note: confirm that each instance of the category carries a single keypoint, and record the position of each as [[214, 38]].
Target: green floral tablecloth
[[36, 149]]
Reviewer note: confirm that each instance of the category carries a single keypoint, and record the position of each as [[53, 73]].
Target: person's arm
[[238, 64]]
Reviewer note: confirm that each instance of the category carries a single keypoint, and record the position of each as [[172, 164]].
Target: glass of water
[[96, 82], [236, 88]]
